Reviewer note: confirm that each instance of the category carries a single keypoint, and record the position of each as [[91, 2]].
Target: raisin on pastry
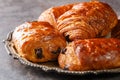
[[38, 41]]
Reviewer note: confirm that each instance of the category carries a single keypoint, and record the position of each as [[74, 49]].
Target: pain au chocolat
[[87, 20], [38, 41], [91, 54]]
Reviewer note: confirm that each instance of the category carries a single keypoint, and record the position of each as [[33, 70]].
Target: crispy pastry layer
[[52, 14], [91, 54], [87, 20], [38, 41]]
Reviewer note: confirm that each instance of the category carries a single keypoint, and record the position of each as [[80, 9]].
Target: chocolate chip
[[67, 38], [63, 51], [38, 53], [56, 51]]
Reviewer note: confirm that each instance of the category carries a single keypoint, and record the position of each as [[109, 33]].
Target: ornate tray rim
[[11, 51]]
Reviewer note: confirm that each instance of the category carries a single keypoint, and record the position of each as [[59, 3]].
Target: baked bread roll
[[87, 20], [52, 14], [115, 33], [38, 41], [91, 54]]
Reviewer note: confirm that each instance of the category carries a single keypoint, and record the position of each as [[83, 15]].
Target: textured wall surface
[[16, 12]]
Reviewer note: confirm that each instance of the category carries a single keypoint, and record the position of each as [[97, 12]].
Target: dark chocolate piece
[[38, 53], [56, 51], [67, 38]]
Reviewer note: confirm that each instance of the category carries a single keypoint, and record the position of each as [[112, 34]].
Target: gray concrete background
[[16, 12]]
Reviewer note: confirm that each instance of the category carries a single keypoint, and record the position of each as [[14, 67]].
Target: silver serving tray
[[49, 66]]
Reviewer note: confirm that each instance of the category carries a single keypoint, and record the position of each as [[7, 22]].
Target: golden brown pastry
[[38, 41], [51, 15], [91, 54], [115, 33], [87, 20]]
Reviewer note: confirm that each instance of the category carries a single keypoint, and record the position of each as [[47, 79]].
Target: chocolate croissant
[[38, 41], [87, 20], [91, 54]]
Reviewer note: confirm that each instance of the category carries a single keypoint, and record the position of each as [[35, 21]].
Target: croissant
[[90, 54], [52, 14], [87, 20], [38, 41]]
